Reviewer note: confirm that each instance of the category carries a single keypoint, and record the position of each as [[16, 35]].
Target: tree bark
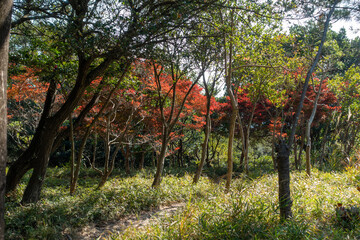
[[5, 24], [205, 143], [230, 149], [39, 164], [308, 128], [142, 160], [283, 162], [161, 159], [284, 149]]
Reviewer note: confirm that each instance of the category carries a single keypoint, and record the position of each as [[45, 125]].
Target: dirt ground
[[96, 231]]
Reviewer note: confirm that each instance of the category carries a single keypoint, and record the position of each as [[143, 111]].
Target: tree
[[5, 23], [209, 91], [176, 92], [284, 148], [93, 44]]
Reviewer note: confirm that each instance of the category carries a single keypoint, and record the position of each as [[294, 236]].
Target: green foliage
[[59, 211], [249, 211]]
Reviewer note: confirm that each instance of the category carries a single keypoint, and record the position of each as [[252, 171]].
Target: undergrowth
[[248, 211], [59, 213]]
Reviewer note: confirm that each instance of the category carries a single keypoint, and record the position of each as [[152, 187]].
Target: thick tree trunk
[[285, 202], [39, 164], [5, 23], [38, 153]]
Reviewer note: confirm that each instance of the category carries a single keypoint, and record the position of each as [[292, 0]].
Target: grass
[[58, 211], [248, 211]]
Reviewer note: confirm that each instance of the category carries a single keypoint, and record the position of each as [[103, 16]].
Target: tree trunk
[[308, 128], [283, 149], [73, 154], [39, 164], [273, 144], [132, 161], [295, 154], [324, 141], [230, 149], [5, 23], [285, 202], [161, 159], [95, 147], [126, 153], [204, 145], [246, 153], [38, 153], [109, 166], [142, 160]]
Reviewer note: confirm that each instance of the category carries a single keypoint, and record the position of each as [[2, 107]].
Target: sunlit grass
[[58, 210], [248, 211]]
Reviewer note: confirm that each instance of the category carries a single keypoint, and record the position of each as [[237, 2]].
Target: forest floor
[[135, 221], [128, 208]]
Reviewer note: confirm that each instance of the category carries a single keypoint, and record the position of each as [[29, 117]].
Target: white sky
[[352, 28]]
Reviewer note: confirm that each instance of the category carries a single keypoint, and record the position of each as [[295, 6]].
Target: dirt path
[[95, 231]]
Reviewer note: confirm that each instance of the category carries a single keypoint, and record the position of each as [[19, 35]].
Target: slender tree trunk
[[205, 150], [73, 153], [95, 147], [5, 23], [161, 159], [234, 106], [181, 159], [132, 161], [108, 166], [126, 153], [230, 149], [324, 141], [153, 158], [308, 128], [295, 154], [273, 154], [142, 160], [205, 144]]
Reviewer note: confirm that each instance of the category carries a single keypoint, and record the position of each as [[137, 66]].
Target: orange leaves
[[27, 86]]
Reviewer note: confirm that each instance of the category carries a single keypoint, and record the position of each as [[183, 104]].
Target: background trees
[[93, 43], [216, 85]]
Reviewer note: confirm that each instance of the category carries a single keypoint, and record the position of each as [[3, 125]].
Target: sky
[[352, 28]]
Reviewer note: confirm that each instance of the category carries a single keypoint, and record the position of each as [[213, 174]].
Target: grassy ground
[[248, 211]]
